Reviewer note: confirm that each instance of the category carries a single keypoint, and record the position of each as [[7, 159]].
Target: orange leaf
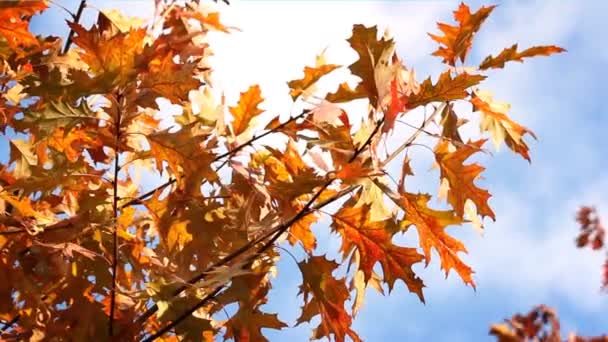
[[247, 109], [325, 295], [446, 89], [462, 177], [494, 119], [110, 54], [311, 76], [431, 225], [457, 40], [301, 231], [14, 21], [512, 55], [373, 242]]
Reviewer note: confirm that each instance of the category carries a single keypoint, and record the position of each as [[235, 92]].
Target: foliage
[[542, 323], [88, 252]]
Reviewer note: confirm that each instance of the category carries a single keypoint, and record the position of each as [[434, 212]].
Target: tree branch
[[274, 234], [68, 42], [115, 210], [183, 316]]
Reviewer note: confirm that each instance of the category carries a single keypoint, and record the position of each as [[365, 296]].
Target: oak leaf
[[461, 178], [512, 55], [365, 42], [446, 89], [373, 241], [325, 295], [14, 21], [431, 225], [247, 109], [111, 56], [495, 120], [311, 76], [457, 40]]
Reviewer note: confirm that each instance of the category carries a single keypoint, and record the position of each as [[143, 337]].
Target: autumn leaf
[[14, 21], [512, 55], [494, 119], [325, 295], [122, 22], [22, 154], [446, 89], [185, 153], [167, 79], [311, 76], [250, 292], [365, 42], [345, 93], [43, 121], [373, 243], [301, 232], [540, 324], [111, 56], [431, 226], [450, 123], [461, 178], [247, 109], [456, 41]]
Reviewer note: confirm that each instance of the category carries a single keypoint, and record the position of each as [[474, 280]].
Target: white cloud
[[540, 262]]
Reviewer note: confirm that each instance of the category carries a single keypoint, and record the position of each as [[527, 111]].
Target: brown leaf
[[446, 89], [365, 42], [345, 93], [512, 55]]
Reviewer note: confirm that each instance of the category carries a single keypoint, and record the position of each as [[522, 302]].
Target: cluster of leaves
[[542, 323], [88, 252], [592, 235]]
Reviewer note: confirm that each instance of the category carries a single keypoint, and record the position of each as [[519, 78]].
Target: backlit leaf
[[247, 109], [456, 41], [512, 55]]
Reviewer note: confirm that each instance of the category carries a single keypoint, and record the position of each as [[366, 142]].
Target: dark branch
[[68, 42]]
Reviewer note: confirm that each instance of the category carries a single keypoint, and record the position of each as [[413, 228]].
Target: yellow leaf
[[494, 119], [14, 94], [247, 109], [178, 235], [122, 22]]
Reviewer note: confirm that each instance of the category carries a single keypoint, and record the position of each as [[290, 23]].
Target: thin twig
[[7, 325], [411, 139], [252, 140], [183, 316], [115, 210]]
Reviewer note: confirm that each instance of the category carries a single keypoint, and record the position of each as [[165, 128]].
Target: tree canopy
[[88, 252]]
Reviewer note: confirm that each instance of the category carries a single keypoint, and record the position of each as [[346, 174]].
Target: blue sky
[[528, 255]]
